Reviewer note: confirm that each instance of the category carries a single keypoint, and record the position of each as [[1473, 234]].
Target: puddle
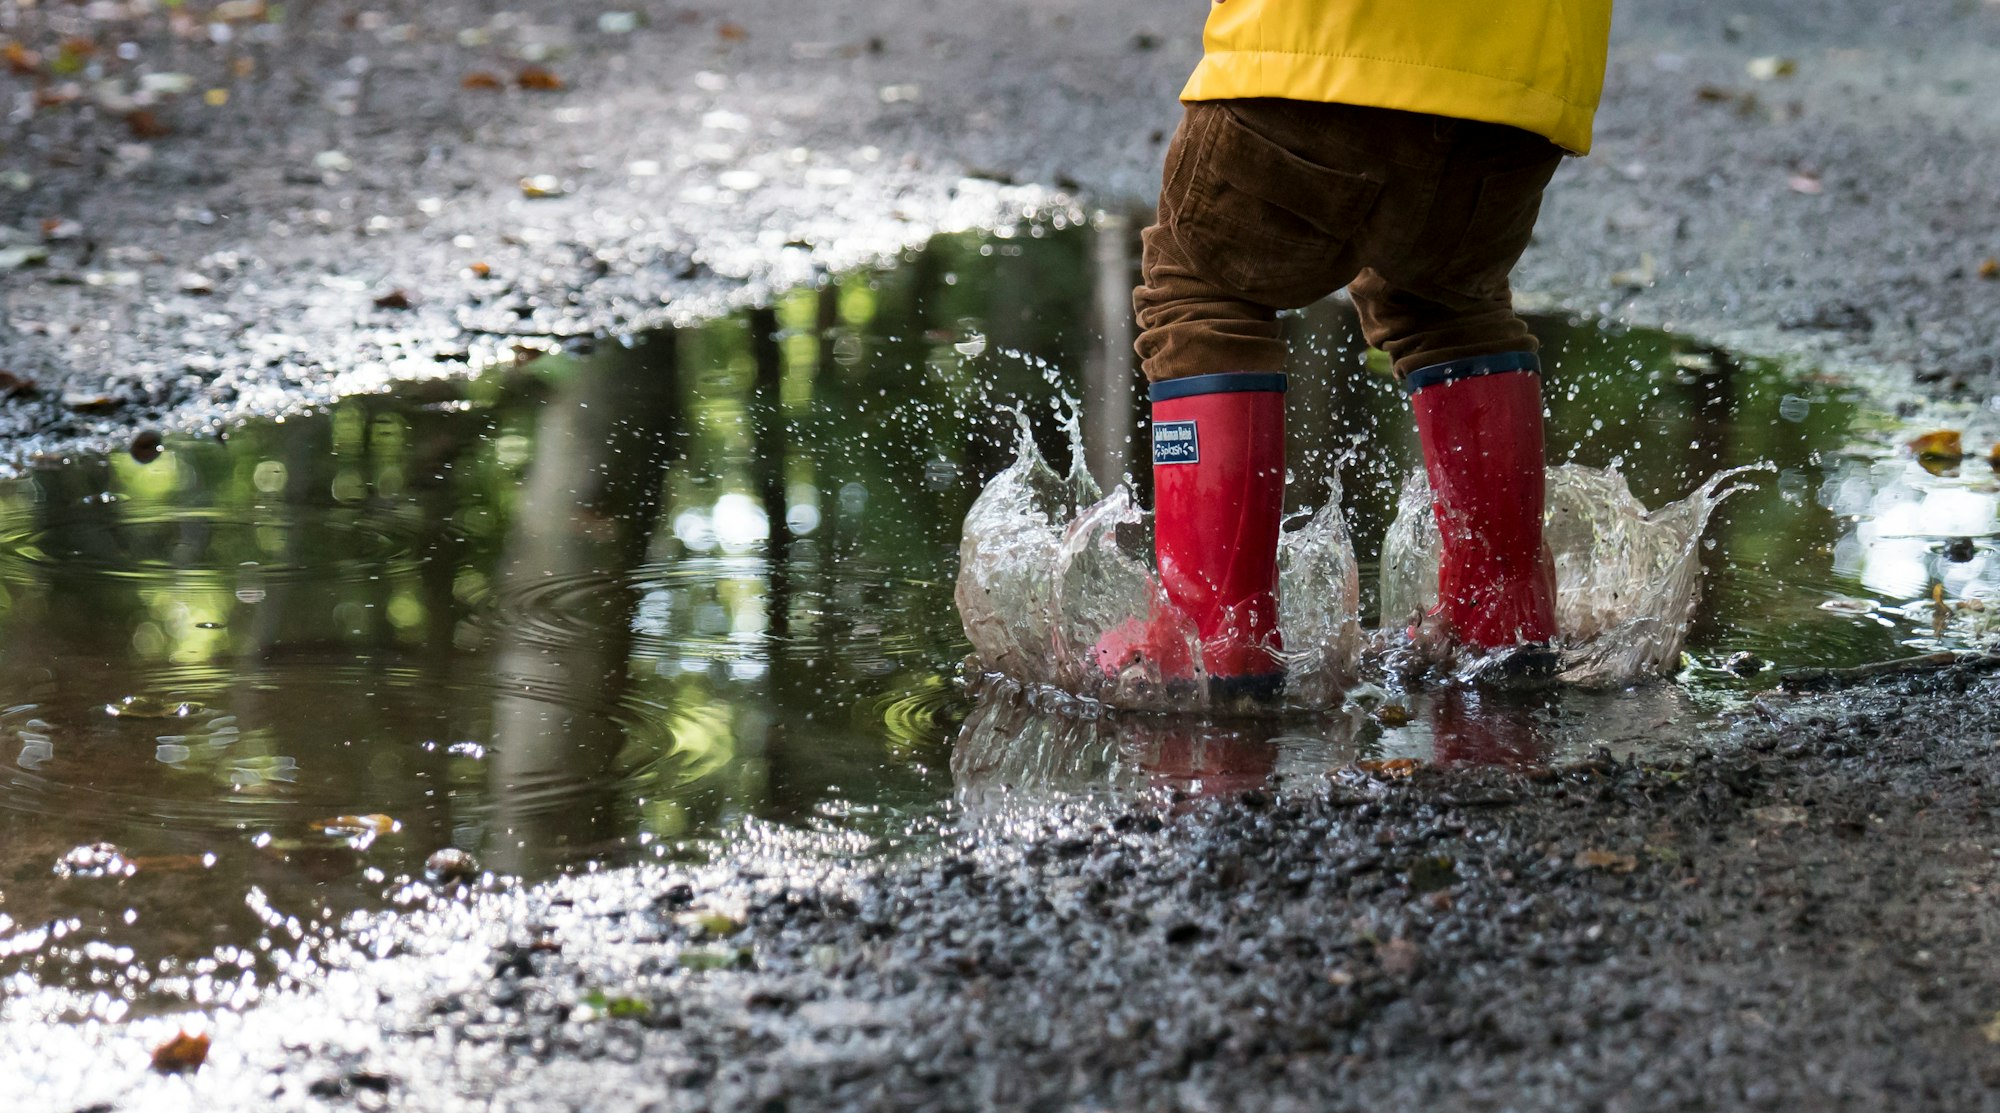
[[595, 608]]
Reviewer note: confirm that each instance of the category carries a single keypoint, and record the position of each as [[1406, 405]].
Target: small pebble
[[146, 447], [451, 866]]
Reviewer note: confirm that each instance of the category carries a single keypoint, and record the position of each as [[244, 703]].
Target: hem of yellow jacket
[[1385, 83]]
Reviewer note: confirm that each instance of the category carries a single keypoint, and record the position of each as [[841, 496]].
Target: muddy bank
[[228, 210], [1798, 919]]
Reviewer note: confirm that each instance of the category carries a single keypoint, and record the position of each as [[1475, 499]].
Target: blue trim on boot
[[1226, 382], [1468, 368]]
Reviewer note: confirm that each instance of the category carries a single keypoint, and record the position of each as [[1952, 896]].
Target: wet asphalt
[[1801, 919]]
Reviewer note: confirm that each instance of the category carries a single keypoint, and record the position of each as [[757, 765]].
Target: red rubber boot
[[1218, 494], [1480, 421]]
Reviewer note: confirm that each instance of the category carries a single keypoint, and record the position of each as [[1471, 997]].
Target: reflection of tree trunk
[[285, 611], [587, 511], [1714, 399], [771, 457], [435, 445], [1108, 379], [788, 794]]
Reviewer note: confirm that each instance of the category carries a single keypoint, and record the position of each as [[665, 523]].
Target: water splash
[[1627, 578], [1048, 565]]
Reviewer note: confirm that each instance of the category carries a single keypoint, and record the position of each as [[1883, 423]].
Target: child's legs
[[1190, 325], [1442, 293], [1418, 332], [1245, 228]]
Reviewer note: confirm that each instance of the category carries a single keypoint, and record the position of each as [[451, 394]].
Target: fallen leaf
[[166, 84], [72, 55], [1942, 444], [1609, 860], [173, 862], [1392, 768], [348, 826], [97, 859], [1428, 875], [1771, 67], [397, 298], [1644, 275], [1779, 815], [1399, 957], [714, 923], [1744, 663], [480, 79], [141, 707], [714, 958], [20, 59], [1989, 267], [182, 1054], [1993, 457], [731, 32], [615, 1007], [482, 270], [539, 80], [239, 11], [28, 255], [1392, 715], [12, 384], [542, 185], [144, 124]]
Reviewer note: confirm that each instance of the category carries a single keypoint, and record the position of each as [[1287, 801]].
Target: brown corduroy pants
[[1273, 204]]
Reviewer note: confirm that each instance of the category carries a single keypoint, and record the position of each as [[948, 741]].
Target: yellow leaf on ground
[[182, 1054], [1611, 860], [1943, 443]]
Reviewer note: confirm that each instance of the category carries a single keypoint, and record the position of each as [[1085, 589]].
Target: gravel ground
[[353, 211], [1798, 919]]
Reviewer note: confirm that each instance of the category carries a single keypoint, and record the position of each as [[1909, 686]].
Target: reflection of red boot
[[1218, 492], [1209, 760], [1480, 421], [1158, 639], [1468, 731]]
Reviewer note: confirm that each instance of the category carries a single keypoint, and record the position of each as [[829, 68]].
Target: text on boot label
[[1175, 442]]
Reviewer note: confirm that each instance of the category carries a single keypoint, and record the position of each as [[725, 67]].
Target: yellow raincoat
[[1532, 64]]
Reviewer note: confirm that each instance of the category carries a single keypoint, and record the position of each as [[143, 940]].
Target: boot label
[[1174, 442]]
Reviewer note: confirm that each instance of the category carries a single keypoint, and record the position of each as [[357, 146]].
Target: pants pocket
[[1501, 224], [1259, 221]]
